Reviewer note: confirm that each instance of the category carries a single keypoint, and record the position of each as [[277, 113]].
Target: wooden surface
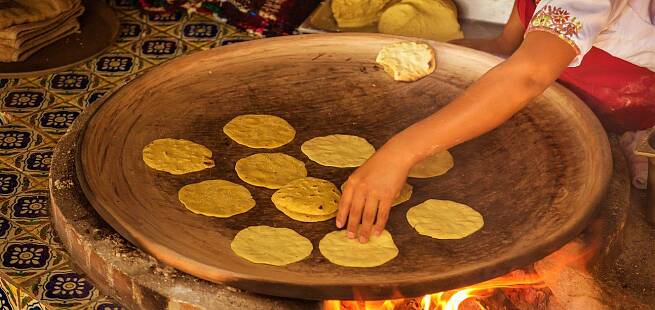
[[98, 30], [536, 180]]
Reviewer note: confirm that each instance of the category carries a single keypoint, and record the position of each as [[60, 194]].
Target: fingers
[[344, 205], [355, 215], [384, 208], [368, 217]]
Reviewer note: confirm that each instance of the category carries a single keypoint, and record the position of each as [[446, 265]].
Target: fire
[[450, 300], [573, 255]]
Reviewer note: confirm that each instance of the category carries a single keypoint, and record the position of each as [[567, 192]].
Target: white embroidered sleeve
[[578, 22]]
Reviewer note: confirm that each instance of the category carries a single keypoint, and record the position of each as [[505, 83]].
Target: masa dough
[[428, 19], [343, 251], [407, 61], [259, 131], [357, 13], [338, 150], [404, 195], [270, 170], [217, 198], [444, 219], [270, 245], [432, 166], [308, 196], [177, 156]]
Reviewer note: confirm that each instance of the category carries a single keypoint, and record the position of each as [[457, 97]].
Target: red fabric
[[621, 93]]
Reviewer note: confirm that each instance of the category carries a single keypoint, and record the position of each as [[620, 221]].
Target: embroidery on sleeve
[[559, 22]]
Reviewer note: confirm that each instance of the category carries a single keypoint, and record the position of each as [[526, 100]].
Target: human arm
[[505, 43], [485, 105]]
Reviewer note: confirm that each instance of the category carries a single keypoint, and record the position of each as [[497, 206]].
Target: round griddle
[[98, 30], [536, 179]]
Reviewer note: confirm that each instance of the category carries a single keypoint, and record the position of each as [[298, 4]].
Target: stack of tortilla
[[27, 26]]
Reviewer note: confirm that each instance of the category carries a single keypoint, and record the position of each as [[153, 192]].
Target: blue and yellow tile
[[18, 82], [55, 121], [132, 30], [16, 102], [12, 182], [89, 98], [47, 234], [9, 230], [35, 162], [26, 257], [16, 138], [9, 295], [63, 288], [118, 65], [161, 21], [70, 83], [28, 302], [29, 209], [200, 34], [160, 48], [104, 303]]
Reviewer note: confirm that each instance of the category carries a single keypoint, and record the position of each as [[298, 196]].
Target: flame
[[450, 300], [574, 255]]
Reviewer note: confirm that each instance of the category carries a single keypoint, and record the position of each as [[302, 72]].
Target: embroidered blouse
[[614, 70], [623, 28]]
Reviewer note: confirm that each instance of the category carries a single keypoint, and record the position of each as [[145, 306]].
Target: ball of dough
[[428, 19], [357, 13]]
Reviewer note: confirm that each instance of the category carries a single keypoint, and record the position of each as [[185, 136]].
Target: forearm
[[485, 105]]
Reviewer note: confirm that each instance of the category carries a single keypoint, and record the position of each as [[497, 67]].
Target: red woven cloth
[[261, 17]]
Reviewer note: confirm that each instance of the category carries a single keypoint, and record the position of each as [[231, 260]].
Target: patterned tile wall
[[35, 112]]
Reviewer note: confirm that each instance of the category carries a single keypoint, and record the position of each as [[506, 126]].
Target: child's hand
[[370, 192]]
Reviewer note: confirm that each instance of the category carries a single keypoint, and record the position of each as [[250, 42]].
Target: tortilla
[[309, 196], [432, 166], [407, 61], [444, 219], [177, 156], [270, 170], [217, 198], [343, 251], [338, 150], [259, 131], [271, 246], [306, 217]]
